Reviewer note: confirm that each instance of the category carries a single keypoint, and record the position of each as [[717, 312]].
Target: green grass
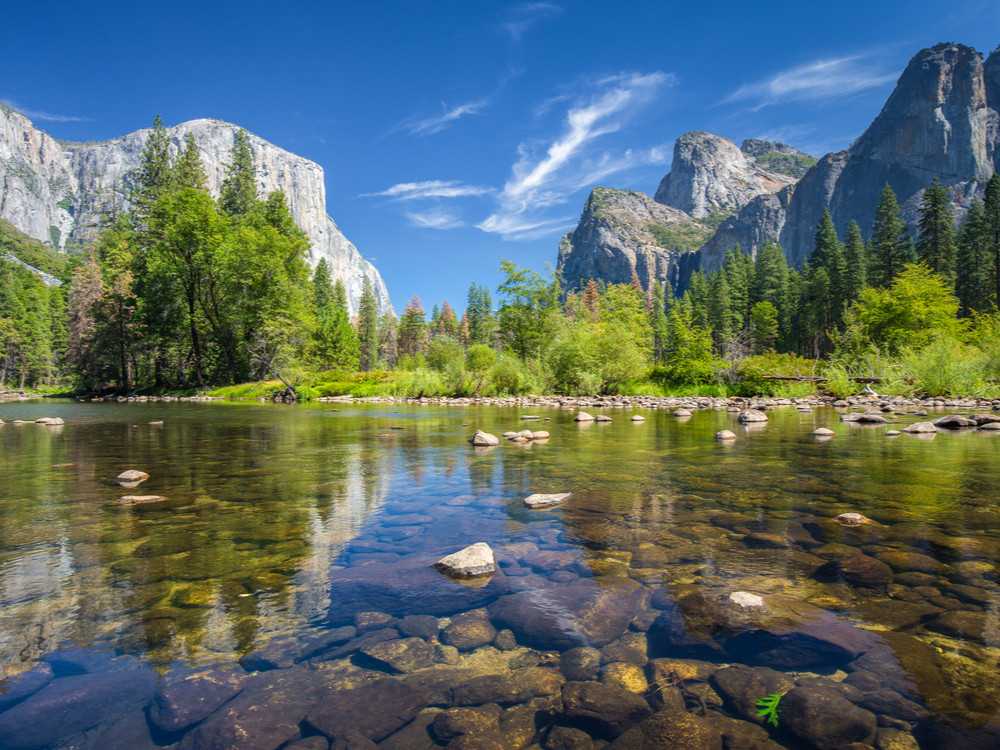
[[31, 251]]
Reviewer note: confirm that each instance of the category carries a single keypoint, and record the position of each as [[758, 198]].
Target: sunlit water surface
[[265, 503]]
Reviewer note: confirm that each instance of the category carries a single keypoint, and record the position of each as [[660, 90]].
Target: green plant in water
[[768, 706]]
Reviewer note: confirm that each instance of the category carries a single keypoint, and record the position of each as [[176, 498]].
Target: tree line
[[182, 290]]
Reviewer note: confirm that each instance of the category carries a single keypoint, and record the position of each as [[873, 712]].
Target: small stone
[[893, 433], [919, 427], [469, 631], [602, 418], [751, 415], [484, 438], [132, 476], [139, 500], [682, 413], [583, 417], [851, 519], [823, 432], [746, 599], [474, 560], [638, 418], [539, 435], [546, 501], [725, 435], [402, 655]]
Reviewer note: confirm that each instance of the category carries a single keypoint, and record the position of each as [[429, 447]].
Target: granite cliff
[[55, 191], [622, 232], [941, 121]]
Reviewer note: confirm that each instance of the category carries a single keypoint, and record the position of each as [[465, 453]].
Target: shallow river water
[[282, 596]]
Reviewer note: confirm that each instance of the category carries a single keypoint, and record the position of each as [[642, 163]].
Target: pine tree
[[368, 327], [238, 194], [829, 255], [855, 263], [189, 171], [720, 309], [658, 322], [322, 287], [479, 316], [447, 324], [771, 276], [891, 247], [152, 178], [991, 205], [697, 296], [412, 328], [592, 297], [936, 243], [738, 271], [974, 278]]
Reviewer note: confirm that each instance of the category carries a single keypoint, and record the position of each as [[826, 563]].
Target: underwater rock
[[667, 729], [573, 615], [545, 501], [469, 631], [375, 709], [825, 719], [475, 560], [402, 655], [185, 702], [608, 710]]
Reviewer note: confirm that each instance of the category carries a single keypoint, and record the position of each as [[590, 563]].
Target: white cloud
[[34, 114], [821, 79], [435, 218], [522, 17], [427, 125], [539, 181], [428, 189]]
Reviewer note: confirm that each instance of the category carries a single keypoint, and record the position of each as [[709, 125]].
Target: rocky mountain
[[56, 191], [710, 174], [625, 232], [941, 121]]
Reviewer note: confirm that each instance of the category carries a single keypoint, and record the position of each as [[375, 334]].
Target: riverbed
[[283, 585]]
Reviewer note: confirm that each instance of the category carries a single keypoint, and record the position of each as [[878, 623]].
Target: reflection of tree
[[242, 545]]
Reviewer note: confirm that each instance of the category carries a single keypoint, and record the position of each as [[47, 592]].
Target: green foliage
[[529, 310], [751, 375], [891, 248], [768, 706], [794, 165], [367, 327], [948, 367], [684, 237], [238, 194], [917, 308], [936, 244], [31, 251]]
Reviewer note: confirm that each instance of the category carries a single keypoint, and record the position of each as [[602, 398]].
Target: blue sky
[[455, 134]]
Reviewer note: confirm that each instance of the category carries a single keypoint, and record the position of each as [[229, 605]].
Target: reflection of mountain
[[242, 548]]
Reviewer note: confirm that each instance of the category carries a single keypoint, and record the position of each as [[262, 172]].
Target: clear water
[[264, 501]]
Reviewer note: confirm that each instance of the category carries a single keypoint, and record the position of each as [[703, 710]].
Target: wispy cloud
[[435, 218], [522, 17], [429, 124], [34, 114], [429, 189], [821, 79], [542, 180]]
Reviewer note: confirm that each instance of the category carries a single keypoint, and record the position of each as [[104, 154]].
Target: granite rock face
[[710, 173], [941, 121], [622, 232], [55, 192]]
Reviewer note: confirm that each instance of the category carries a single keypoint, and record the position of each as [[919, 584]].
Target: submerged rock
[[825, 719], [606, 709], [139, 499], [402, 655], [374, 710], [573, 615], [668, 729], [475, 560], [188, 701], [132, 477], [851, 519], [546, 501]]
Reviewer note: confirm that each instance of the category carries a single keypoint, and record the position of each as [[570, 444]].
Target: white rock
[[682, 413], [583, 417], [484, 438], [139, 499], [823, 432], [539, 435], [640, 418], [132, 475], [746, 599], [602, 418], [475, 560], [545, 501], [725, 435], [752, 415], [918, 427]]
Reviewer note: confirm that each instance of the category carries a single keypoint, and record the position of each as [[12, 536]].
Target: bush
[[947, 367], [751, 375]]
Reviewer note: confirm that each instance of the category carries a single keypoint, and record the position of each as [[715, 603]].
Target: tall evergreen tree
[[658, 322], [855, 263], [771, 277], [697, 295], [412, 328], [447, 324], [189, 171], [991, 205], [829, 255], [367, 327], [152, 178], [891, 247], [238, 194], [974, 274], [936, 242], [479, 316], [739, 269], [720, 309]]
